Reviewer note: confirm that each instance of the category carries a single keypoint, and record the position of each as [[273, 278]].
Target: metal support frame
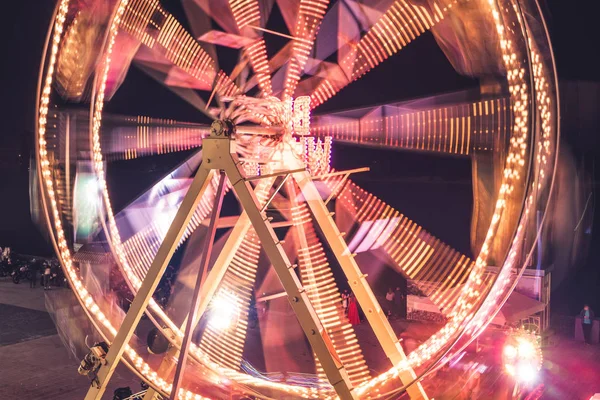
[[230, 221], [220, 154], [358, 282], [223, 157], [277, 189]]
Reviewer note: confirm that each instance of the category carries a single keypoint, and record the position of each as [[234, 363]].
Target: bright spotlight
[[522, 357], [526, 372], [224, 311], [526, 349]]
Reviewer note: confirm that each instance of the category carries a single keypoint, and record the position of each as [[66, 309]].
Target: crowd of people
[[46, 272], [394, 306], [396, 303]]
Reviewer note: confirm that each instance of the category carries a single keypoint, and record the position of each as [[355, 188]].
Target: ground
[[571, 370], [34, 364]]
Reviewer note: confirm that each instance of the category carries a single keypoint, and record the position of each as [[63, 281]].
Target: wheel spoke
[[247, 16], [310, 15], [438, 270], [152, 25], [221, 15], [123, 137], [142, 136], [173, 78], [395, 29], [455, 129]]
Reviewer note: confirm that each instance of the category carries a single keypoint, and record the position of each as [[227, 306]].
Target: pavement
[[571, 370], [21, 324], [21, 295], [34, 364]]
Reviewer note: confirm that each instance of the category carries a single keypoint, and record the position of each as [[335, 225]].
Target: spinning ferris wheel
[[264, 145]]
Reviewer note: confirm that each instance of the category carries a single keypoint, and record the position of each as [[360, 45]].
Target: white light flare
[[522, 358], [510, 352], [526, 372], [224, 311], [526, 349]]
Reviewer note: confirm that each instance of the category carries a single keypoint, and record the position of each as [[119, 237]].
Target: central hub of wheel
[[224, 127], [289, 116]]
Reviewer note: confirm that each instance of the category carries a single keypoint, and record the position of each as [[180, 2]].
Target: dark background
[[434, 191]]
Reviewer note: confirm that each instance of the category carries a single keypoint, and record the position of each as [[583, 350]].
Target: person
[[47, 275], [353, 315], [345, 301], [400, 303], [389, 298], [33, 277], [587, 316]]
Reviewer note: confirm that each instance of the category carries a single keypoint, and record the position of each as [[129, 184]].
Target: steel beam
[[338, 173], [157, 268], [275, 192], [230, 222], [358, 282], [220, 153], [204, 261], [273, 175]]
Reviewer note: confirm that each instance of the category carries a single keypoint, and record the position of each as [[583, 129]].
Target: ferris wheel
[[267, 143]]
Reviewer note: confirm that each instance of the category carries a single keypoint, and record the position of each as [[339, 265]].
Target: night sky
[[434, 191]]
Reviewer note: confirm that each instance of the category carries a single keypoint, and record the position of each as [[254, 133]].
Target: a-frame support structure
[[219, 155]]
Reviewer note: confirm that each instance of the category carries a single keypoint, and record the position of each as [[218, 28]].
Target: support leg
[[141, 300], [375, 315], [205, 260], [315, 270]]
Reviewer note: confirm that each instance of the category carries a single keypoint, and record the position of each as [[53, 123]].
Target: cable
[[583, 213]]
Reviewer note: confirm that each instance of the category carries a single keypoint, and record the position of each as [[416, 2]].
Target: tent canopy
[[517, 307]]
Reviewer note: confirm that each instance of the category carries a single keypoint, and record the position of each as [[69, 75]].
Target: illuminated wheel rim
[[526, 185]]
